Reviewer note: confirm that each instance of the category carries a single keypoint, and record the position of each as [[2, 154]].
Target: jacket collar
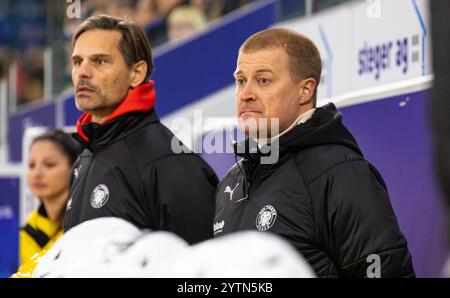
[[323, 127], [139, 99]]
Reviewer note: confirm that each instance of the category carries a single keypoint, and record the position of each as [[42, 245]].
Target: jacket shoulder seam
[[153, 161], [332, 167]]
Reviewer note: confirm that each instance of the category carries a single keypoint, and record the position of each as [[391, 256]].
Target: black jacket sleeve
[[183, 188], [363, 227]]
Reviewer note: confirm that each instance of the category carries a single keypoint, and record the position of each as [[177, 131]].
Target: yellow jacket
[[36, 238]]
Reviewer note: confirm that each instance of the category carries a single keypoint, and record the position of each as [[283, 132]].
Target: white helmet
[[112, 247], [239, 255], [88, 249], [149, 255]]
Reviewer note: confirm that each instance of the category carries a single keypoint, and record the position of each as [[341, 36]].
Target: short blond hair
[[189, 14], [304, 57]]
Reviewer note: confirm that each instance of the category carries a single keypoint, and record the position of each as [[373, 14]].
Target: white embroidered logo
[[99, 196], [230, 191], [218, 227], [266, 218]]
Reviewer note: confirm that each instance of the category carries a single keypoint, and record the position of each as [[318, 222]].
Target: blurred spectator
[[49, 172], [148, 15], [146, 11], [32, 90], [184, 21], [220, 8], [204, 5], [166, 6], [120, 8], [30, 76], [156, 28]]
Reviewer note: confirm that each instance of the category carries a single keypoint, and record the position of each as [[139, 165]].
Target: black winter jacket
[[129, 170], [322, 196]]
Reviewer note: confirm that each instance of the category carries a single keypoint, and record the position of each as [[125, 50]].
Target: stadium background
[[376, 68]]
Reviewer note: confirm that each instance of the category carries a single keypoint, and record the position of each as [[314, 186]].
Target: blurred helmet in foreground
[[112, 247]]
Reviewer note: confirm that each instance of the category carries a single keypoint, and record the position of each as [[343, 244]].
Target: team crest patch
[[99, 196], [266, 218]]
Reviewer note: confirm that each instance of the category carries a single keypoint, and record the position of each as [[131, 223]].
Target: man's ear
[[306, 90], [138, 74]]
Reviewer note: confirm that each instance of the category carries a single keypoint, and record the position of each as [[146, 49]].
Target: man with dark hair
[[320, 194], [128, 168]]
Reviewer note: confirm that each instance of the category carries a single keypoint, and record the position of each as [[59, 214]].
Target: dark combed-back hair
[[64, 141], [304, 57], [134, 45]]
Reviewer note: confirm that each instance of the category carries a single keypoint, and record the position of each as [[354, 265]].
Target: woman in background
[[50, 162]]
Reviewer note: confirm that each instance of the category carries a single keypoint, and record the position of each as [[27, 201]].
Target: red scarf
[[141, 98]]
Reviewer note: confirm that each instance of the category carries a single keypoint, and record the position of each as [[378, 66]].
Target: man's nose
[[84, 71], [247, 92]]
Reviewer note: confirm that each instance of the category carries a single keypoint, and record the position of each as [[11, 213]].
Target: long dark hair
[[64, 141]]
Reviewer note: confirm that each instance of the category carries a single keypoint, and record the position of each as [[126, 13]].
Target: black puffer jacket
[[129, 170], [322, 196]]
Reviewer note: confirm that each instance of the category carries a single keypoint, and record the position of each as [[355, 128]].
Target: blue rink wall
[[9, 221], [395, 135]]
